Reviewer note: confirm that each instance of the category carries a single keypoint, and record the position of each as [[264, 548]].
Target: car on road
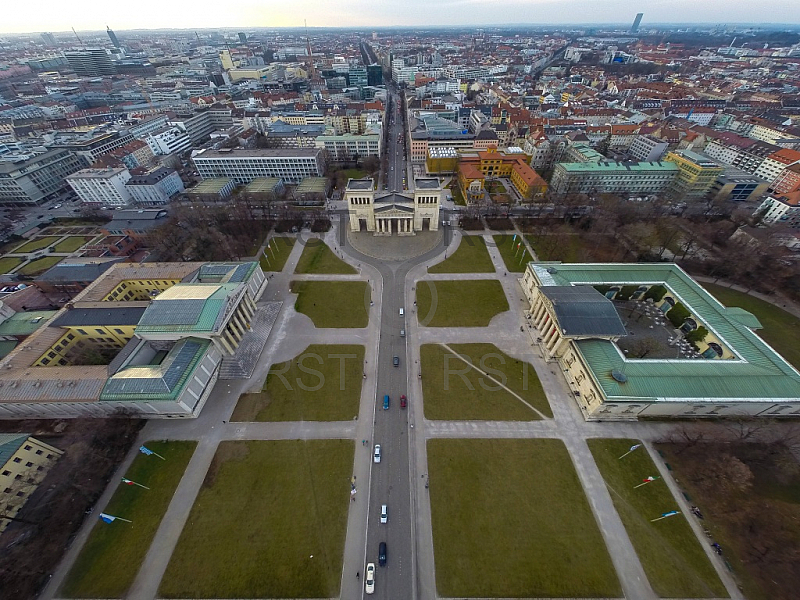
[[402, 333], [377, 456], [384, 514], [369, 580], [403, 401], [382, 554], [386, 402], [396, 361], [57, 206]]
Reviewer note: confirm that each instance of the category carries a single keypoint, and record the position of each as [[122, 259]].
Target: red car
[[402, 401]]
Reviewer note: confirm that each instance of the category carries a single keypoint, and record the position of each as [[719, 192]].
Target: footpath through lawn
[[675, 563], [510, 520], [454, 391], [110, 559], [274, 258], [514, 252], [323, 383], [269, 522]]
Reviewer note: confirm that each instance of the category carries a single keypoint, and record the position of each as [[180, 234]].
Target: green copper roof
[[10, 443], [758, 373], [175, 311]]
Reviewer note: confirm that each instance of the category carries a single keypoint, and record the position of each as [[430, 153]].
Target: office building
[[696, 175], [91, 62], [169, 140], [639, 178], [348, 146], [34, 180], [738, 186], [101, 187], [647, 148], [155, 188], [374, 75], [636, 22], [113, 37], [91, 147], [49, 39], [291, 165], [580, 322], [162, 331], [242, 37]]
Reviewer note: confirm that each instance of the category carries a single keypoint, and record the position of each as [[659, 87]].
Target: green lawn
[[269, 522], [515, 258], [510, 520], [452, 391], [780, 327], [309, 387], [71, 244], [458, 197], [459, 303], [354, 174], [37, 244], [673, 560], [7, 264], [470, 257], [278, 253], [317, 258], [40, 265], [110, 559], [333, 303]]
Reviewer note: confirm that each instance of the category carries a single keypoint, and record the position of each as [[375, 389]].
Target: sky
[[58, 15]]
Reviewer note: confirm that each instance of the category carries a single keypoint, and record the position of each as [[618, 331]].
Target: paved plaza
[[289, 333]]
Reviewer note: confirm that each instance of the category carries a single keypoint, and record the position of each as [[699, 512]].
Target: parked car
[[386, 402], [396, 361], [369, 580], [403, 401], [377, 455], [384, 514], [382, 554]]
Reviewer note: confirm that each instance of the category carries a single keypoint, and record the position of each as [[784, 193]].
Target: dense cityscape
[[547, 276]]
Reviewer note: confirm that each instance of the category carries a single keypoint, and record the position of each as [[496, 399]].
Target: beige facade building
[[392, 212], [24, 463]]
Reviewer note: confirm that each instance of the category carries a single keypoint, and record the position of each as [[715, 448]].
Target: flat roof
[[313, 185], [757, 373], [614, 166], [187, 307], [243, 153], [427, 183], [212, 185], [363, 185], [262, 185]]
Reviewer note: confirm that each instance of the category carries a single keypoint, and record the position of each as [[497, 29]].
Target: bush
[[697, 335], [678, 314], [285, 225], [321, 225], [602, 288], [626, 292], [657, 293]]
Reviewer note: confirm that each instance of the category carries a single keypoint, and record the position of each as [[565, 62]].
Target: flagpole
[[271, 249], [645, 483], [666, 516], [629, 451], [121, 519], [129, 482]]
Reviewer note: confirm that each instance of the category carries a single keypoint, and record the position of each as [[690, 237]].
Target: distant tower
[[242, 37], [112, 36], [636, 22], [49, 39]]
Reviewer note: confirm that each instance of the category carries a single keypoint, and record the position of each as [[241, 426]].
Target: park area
[[454, 390], [510, 520], [471, 256], [318, 259], [674, 562], [309, 387], [269, 522], [36, 244], [72, 243], [275, 256], [40, 265], [780, 327], [110, 559], [749, 495], [334, 304], [514, 252], [8, 264], [459, 303]]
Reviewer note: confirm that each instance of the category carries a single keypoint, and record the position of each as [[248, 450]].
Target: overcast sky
[[17, 16]]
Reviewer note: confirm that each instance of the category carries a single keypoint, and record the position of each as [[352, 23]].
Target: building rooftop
[[188, 307], [9, 444], [78, 270], [315, 185], [212, 185], [244, 153], [583, 311], [427, 183], [756, 373], [361, 185], [262, 185], [25, 323], [150, 178], [111, 314], [615, 166]]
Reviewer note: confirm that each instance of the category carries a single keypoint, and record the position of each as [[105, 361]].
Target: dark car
[[396, 361], [382, 554], [403, 401]]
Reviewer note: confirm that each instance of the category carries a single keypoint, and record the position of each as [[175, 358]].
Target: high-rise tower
[[112, 36], [636, 22]]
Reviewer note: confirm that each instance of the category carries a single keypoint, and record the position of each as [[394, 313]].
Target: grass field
[[7, 264], [269, 522], [453, 392], [459, 303], [673, 560], [71, 243], [281, 247], [310, 390], [318, 258], [110, 559], [780, 327], [37, 244], [510, 520], [470, 257], [40, 265], [516, 259], [333, 303]]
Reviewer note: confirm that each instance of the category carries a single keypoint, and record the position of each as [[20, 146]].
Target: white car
[[377, 457], [384, 514], [369, 580]]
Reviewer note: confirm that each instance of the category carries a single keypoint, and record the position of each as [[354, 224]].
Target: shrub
[[697, 335], [678, 314], [602, 288], [626, 292], [656, 292]]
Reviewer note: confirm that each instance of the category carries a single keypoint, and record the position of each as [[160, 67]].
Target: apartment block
[[155, 188], [347, 146], [169, 140], [33, 180], [104, 187], [647, 148]]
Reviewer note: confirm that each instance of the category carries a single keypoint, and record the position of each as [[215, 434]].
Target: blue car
[[386, 402]]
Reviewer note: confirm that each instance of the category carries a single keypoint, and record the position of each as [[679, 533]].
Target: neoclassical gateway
[[392, 212], [645, 340]]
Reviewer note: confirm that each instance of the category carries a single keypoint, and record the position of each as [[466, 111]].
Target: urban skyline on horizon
[[243, 14]]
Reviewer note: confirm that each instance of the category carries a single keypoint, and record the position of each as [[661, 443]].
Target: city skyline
[[93, 15]]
